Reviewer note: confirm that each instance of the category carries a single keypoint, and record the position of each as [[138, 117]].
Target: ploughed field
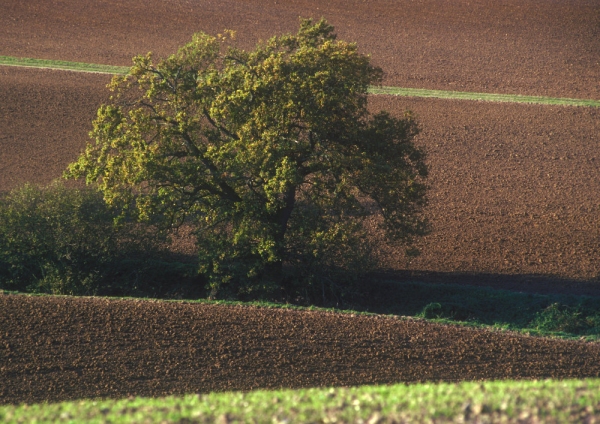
[[58, 348], [536, 47], [514, 196]]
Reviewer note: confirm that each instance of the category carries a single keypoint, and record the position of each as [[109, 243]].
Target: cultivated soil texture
[[514, 199], [70, 348], [514, 195], [535, 47], [45, 118]]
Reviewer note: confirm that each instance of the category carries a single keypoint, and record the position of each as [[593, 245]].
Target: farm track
[[513, 201], [54, 349]]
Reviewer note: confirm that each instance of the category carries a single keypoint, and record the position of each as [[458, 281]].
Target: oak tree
[[272, 153]]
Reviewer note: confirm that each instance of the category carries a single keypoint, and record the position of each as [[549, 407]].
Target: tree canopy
[[271, 152]]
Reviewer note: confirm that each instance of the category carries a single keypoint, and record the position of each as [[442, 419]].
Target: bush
[[63, 240], [567, 319]]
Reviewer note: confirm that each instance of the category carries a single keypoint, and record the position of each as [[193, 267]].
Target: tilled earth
[[532, 47], [45, 117], [54, 349], [514, 196], [514, 188]]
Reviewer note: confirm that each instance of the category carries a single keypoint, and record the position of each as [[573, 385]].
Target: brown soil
[[512, 46], [514, 190], [514, 194], [70, 348], [45, 117], [513, 201]]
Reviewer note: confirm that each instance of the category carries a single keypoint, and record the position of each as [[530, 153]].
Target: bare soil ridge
[[54, 349]]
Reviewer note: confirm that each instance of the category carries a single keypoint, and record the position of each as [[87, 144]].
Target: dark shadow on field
[[527, 283], [533, 302]]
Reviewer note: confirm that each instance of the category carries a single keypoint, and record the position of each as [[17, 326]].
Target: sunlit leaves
[[271, 151]]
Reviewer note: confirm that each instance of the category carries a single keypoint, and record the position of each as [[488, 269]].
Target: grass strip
[[488, 97], [498, 401], [63, 65], [395, 91], [555, 315]]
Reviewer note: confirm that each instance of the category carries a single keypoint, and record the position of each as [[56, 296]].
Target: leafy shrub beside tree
[[64, 240], [270, 153]]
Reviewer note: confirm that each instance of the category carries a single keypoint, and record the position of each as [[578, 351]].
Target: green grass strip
[[63, 65], [499, 401], [488, 97], [395, 91]]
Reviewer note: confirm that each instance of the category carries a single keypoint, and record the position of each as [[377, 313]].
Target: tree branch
[[219, 127]]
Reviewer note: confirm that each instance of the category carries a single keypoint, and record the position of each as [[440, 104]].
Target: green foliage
[[63, 240], [568, 319], [48, 236], [566, 401], [545, 314], [271, 152]]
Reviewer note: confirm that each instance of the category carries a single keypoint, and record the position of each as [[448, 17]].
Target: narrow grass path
[[488, 97], [62, 65], [394, 91]]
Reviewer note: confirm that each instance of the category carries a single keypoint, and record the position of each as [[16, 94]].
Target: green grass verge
[[499, 401], [63, 65], [488, 97], [554, 315], [395, 91]]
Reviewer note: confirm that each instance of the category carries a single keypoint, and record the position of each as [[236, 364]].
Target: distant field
[[527, 47]]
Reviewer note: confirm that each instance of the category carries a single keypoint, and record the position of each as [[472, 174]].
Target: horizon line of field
[[394, 91]]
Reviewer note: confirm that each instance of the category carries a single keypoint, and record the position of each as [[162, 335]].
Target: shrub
[[64, 240], [567, 319]]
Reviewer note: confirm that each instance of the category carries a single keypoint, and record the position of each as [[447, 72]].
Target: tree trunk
[[275, 269]]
